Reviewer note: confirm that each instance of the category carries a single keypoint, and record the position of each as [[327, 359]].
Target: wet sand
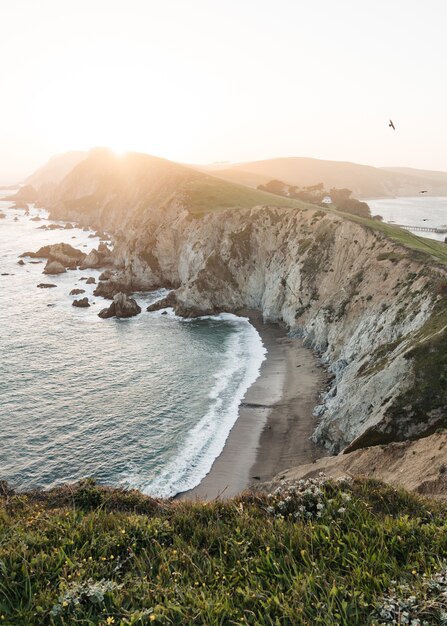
[[275, 419]]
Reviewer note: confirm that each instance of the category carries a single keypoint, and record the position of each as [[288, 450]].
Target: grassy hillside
[[437, 250], [365, 181], [114, 188], [320, 552], [208, 193]]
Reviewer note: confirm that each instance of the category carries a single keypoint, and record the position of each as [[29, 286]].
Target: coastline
[[275, 419]]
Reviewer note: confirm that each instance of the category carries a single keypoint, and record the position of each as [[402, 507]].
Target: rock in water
[[76, 292], [90, 281], [54, 267], [168, 301], [98, 258], [122, 306], [82, 303], [21, 262], [106, 275], [46, 285], [109, 288]]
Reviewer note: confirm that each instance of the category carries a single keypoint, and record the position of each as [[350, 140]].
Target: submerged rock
[[122, 306], [76, 292], [82, 303], [46, 285], [54, 267], [90, 281], [21, 262]]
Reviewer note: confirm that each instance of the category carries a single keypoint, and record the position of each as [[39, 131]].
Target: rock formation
[[168, 301], [82, 303], [63, 253], [54, 267], [122, 306], [101, 257], [76, 292], [46, 285]]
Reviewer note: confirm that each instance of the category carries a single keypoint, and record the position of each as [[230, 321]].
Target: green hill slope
[[111, 189], [346, 553]]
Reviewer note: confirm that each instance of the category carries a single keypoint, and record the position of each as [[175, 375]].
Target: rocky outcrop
[[108, 289], [54, 267], [83, 303], [91, 280], [101, 257], [76, 292], [168, 301], [46, 285], [122, 306], [106, 275], [63, 253]]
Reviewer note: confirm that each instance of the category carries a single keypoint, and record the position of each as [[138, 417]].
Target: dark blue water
[[146, 402]]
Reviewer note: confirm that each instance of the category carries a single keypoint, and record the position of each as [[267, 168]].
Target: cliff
[[369, 298]]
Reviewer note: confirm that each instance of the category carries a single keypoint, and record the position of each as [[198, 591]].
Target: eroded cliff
[[372, 308]]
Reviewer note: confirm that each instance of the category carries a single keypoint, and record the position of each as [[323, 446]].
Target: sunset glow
[[205, 81]]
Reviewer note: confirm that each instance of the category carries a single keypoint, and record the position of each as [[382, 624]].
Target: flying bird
[[392, 125], [423, 191]]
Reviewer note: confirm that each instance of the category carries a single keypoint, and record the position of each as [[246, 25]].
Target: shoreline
[[275, 419]]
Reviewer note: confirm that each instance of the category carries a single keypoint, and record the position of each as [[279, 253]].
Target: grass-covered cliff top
[[318, 552], [423, 246]]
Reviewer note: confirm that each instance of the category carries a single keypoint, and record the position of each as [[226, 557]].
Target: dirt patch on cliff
[[419, 466]]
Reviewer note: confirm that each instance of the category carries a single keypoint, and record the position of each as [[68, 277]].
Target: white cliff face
[[355, 297]]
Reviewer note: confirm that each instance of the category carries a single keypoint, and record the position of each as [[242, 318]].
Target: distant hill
[[56, 168], [436, 177], [364, 181]]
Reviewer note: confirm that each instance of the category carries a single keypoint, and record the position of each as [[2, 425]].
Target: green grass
[[94, 556], [421, 246], [207, 194]]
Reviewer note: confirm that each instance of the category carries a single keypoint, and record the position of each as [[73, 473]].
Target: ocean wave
[[244, 355]]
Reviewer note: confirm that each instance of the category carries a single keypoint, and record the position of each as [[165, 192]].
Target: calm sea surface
[[419, 211], [146, 402]]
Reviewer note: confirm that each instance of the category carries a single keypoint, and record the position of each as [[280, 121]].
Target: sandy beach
[[275, 419]]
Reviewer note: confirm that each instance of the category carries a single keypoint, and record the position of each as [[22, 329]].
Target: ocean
[[146, 402], [419, 211]]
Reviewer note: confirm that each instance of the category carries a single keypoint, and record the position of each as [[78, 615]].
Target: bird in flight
[[423, 191], [392, 125]]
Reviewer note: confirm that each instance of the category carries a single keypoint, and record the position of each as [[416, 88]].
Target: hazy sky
[[224, 80]]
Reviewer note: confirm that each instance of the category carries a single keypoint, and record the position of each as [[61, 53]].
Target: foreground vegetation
[[318, 552]]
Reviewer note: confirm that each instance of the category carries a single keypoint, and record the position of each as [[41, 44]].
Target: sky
[[200, 81]]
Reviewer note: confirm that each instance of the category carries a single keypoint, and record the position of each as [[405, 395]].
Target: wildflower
[[110, 620], [152, 618], [341, 510]]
